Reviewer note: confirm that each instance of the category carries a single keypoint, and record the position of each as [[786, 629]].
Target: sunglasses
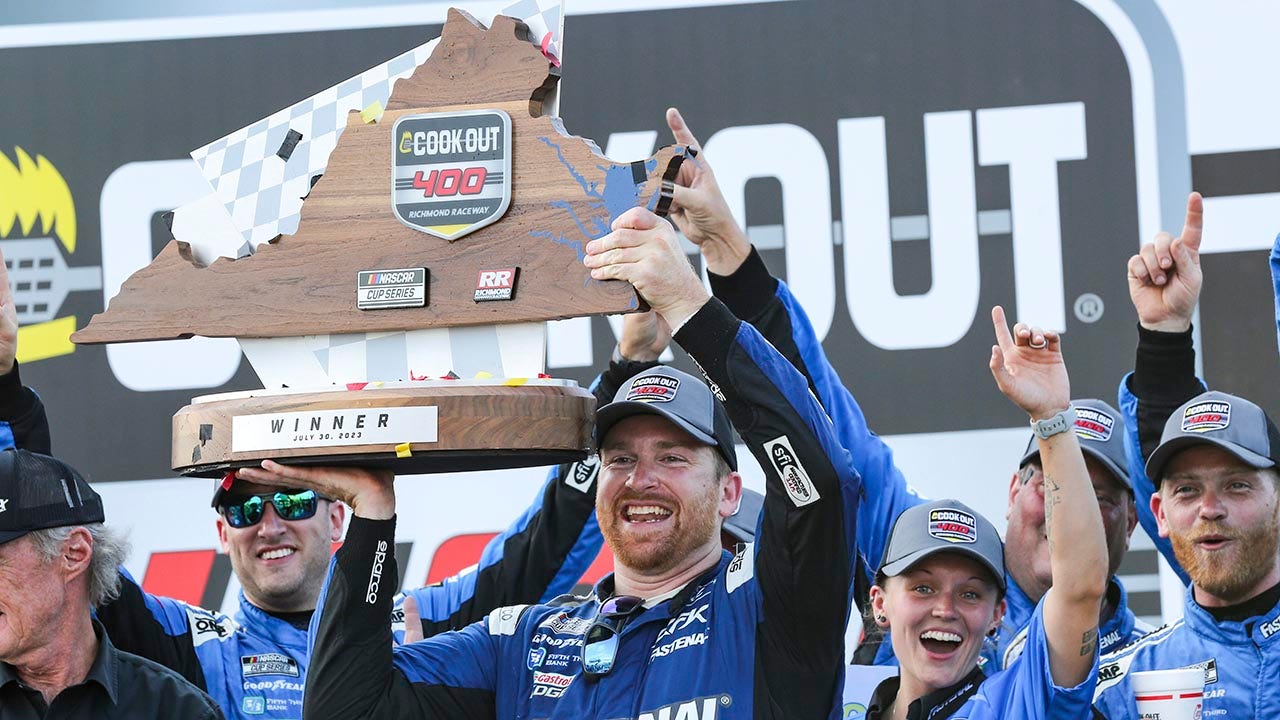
[[242, 511], [600, 644]]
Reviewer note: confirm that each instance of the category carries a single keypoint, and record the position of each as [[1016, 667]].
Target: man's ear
[[77, 552], [730, 494], [223, 530], [337, 511], [1157, 509]]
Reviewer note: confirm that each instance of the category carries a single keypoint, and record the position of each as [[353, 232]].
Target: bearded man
[[1214, 492]]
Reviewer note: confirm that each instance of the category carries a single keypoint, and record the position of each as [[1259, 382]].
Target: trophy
[[403, 323]]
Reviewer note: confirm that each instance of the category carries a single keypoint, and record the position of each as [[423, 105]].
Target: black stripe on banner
[[1236, 173]]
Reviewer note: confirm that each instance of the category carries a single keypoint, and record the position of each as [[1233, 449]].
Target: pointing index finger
[[1193, 227], [680, 130], [1003, 338]]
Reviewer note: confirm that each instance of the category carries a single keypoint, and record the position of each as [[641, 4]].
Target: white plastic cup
[[1168, 694]]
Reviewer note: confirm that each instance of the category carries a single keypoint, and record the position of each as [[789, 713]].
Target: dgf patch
[[654, 389], [953, 526], [451, 172], [1094, 424], [1206, 417], [268, 664]]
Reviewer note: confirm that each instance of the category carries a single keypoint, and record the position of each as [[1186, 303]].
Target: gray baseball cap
[[677, 396], [39, 492], [943, 526], [1101, 431], [1216, 418]]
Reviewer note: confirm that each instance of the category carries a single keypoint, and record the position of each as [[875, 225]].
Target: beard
[[693, 524], [1229, 576]]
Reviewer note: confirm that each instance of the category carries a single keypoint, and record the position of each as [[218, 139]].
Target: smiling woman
[[940, 588]]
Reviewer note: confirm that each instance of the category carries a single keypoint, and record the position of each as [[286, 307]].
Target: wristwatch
[[1059, 423]]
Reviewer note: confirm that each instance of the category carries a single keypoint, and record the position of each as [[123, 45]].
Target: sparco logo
[[793, 475], [704, 708], [375, 575], [451, 172]]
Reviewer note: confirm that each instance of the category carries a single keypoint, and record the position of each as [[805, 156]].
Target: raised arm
[[801, 562], [740, 279], [1028, 368], [23, 422], [1165, 280]]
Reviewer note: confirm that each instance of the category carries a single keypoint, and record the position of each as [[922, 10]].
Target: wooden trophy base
[[415, 427]]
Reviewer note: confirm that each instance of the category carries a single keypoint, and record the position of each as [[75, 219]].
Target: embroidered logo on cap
[[953, 526], [1094, 424], [4, 504], [1206, 417], [654, 388]]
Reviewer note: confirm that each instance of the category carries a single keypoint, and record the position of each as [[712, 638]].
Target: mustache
[[631, 496], [1210, 528]]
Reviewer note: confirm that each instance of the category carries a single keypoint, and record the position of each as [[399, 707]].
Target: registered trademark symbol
[[1089, 308]]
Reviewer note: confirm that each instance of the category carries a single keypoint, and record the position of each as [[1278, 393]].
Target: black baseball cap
[[39, 492], [943, 526], [677, 396], [1101, 430], [1226, 421]]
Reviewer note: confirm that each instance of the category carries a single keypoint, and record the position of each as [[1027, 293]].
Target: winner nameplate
[[402, 324]]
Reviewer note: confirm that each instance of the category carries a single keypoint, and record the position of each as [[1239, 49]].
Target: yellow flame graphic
[[34, 189]]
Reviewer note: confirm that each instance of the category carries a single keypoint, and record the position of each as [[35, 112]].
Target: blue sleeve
[[1275, 281], [885, 492], [1143, 487], [1027, 689]]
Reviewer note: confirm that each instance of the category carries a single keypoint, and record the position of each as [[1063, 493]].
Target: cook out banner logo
[[452, 172]]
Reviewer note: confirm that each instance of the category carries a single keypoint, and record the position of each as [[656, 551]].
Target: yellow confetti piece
[[373, 113], [482, 375], [375, 384], [515, 382], [403, 450]]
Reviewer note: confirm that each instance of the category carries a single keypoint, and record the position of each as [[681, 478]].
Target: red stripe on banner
[[601, 566], [1190, 696], [180, 575], [1150, 698], [455, 554]]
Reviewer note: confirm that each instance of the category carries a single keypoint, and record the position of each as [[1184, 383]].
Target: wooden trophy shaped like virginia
[[451, 227]]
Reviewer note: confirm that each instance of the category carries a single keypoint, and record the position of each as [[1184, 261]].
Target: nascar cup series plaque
[[402, 324]]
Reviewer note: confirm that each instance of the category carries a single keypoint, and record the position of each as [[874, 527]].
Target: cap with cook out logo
[[677, 396], [1216, 418], [943, 526], [1100, 429], [39, 492]]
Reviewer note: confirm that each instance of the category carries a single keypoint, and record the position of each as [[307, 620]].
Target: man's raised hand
[[369, 492], [1165, 276], [1028, 367], [698, 207]]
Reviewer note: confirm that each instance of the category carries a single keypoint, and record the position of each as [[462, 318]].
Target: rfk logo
[[451, 171], [496, 284]]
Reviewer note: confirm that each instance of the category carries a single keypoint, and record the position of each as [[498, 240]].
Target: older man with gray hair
[[58, 562]]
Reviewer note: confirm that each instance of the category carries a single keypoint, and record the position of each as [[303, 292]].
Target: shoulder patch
[[741, 568], [206, 626], [504, 620], [793, 475], [1114, 666], [582, 475], [1015, 648]]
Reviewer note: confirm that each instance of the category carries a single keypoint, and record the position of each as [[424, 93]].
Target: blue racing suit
[[1024, 690], [755, 636], [254, 664], [754, 295], [1241, 662]]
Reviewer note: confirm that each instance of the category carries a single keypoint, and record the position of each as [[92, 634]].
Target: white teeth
[[273, 554], [646, 513], [940, 635]]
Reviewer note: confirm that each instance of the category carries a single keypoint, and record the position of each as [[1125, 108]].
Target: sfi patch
[[268, 664], [653, 389], [451, 172], [504, 620], [583, 474], [742, 568], [795, 479], [1206, 417], [953, 526], [1094, 424], [497, 284]]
